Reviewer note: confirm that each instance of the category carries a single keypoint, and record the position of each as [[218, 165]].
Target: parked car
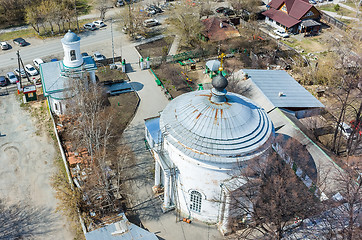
[[20, 41], [228, 12], [220, 9], [54, 59], [281, 33], [90, 26], [312, 2], [345, 129], [37, 62], [150, 23], [153, 9], [84, 54], [99, 23], [20, 73], [3, 81], [4, 45], [31, 70], [12, 78], [119, 3], [98, 56]]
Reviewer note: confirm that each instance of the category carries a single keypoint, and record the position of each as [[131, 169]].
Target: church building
[[56, 76], [199, 142]]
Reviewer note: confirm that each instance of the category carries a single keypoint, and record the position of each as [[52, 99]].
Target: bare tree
[[185, 21], [270, 199], [102, 6]]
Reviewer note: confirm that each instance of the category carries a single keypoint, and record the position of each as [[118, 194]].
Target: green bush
[[336, 7]]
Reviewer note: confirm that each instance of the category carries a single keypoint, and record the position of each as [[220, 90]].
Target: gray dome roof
[[70, 37], [222, 132]]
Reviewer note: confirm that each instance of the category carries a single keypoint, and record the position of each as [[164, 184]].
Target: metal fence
[[333, 21]]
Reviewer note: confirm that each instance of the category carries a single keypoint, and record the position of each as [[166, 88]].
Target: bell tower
[[71, 47]]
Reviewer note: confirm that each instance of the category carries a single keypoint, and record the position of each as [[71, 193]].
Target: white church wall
[[193, 177], [68, 47], [58, 106]]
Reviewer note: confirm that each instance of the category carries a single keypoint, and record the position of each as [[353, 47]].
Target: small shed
[[213, 65], [30, 93]]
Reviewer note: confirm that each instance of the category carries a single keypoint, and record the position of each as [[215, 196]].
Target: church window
[[72, 55], [195, 199]]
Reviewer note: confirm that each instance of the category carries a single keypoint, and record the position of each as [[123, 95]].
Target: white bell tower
[[71, 46]]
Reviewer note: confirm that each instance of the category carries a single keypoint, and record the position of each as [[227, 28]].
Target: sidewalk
[[140, 177]]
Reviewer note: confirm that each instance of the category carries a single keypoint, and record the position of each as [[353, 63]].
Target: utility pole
[[19, 77], [112, 40], [76, 14]]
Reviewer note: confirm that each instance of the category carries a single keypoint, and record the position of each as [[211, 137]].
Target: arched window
[[72, 55], [195, 201]]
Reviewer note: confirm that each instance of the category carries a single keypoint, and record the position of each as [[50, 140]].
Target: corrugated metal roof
[[130, 232], [53, 75], [153, 127], [216, 132], [273, 82]]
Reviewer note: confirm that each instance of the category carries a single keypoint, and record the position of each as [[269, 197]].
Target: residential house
[[294, 16], [217, 29]]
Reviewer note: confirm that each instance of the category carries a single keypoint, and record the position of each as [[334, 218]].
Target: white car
[[90, 26], [20, 72], [99, 23], [281, 33], [31, 70], [37, 62], [4, 45], [11, 77], [345, 129], [150, 23], [98, 56]]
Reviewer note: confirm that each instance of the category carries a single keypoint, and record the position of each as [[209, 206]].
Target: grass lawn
[[106, 74], [30, 32], [352, 5], [342, 11], [313, 44], [125, 105]]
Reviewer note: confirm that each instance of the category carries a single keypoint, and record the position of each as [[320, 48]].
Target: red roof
[[296, 10], [281, 17], [216, 33], [299, 8]]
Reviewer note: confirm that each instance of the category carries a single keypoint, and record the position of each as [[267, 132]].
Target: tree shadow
[[300, 155], [22, 220], [136, 86]]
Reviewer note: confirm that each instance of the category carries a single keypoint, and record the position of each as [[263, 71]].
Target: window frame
[[195, 201]]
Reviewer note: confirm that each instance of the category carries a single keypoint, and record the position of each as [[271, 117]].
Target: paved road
[[26, 161]]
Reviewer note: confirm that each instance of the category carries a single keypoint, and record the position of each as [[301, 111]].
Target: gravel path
[[26, 161]]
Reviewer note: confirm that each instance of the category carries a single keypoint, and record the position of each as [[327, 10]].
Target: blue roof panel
[[273, 82]]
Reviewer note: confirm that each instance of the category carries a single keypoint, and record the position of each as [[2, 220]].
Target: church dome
[[70, 37], [225, 129]]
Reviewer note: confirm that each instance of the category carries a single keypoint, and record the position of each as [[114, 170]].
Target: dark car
[[20, 41], [219, 9], [3, 81], [228, 12]]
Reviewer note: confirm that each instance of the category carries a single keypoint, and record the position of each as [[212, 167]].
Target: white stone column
[[167, 190], [157, 173], [224, 223], [92, 76]]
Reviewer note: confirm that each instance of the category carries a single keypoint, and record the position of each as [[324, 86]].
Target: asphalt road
[[47, 49]]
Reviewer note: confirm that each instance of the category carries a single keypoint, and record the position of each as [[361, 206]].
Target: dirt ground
[[26, 158], [156, 48]]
